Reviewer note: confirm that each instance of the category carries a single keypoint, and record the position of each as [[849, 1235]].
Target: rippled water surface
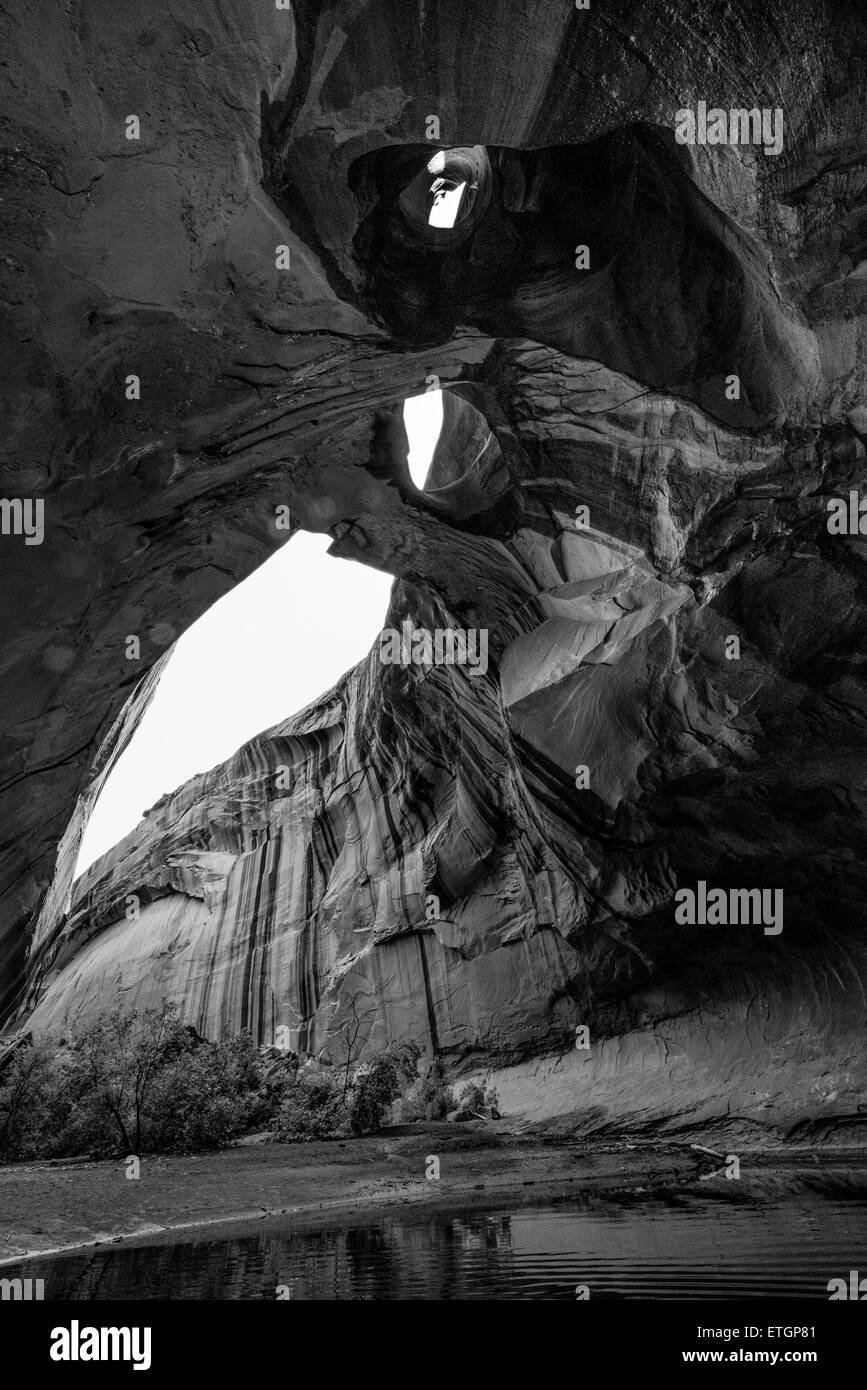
[[700, 1250]]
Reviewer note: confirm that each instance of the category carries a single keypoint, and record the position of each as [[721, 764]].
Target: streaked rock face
[[482, 861]]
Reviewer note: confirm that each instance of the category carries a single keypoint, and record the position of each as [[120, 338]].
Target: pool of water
[[691, 1249]]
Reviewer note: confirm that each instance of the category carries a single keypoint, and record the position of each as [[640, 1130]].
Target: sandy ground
[[47, 1207]]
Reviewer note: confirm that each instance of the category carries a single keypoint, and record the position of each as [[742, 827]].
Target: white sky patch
[[260, 654], [446, 204], [423, 420]]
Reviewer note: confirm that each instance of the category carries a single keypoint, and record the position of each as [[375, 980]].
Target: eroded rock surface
[[290, 890]]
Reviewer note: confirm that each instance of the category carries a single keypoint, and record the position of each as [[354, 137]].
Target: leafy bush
[[133, 1084], [324, 1104], [24, 1085], [113, 1069], [378, 1083], [312, 1108], [427, 1098], [144, 1083], [206, 1095]]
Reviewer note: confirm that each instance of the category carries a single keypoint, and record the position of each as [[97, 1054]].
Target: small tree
[[351, 1041], [115, 1063], [205, 1094], [378, 1083], [23, 1089]]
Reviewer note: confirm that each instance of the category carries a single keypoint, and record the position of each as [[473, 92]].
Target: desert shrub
[[477, 1098], [144, 1083], [278, 1072], [428, 1097], [324, 1103], [312, 1108], [204, 1095], [377, 1083]]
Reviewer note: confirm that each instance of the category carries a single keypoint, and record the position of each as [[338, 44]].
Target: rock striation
[[673, 692]]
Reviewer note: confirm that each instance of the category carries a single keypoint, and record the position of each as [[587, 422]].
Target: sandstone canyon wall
[[289, 890]]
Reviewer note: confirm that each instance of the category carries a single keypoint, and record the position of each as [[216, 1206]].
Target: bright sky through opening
[[260, 654], [446, 204], [423, 419]]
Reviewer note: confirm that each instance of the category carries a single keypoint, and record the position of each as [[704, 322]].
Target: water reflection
[[693, 1249]]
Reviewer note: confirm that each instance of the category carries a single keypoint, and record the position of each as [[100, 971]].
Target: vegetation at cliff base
[[144, 1082]]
